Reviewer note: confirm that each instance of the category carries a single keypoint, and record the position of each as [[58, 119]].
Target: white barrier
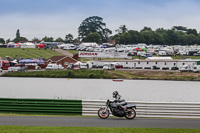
[[150, 109]]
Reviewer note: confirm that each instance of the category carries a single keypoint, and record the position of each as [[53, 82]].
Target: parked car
[[38, 67], [109, 66], [41, 46], [118, 66], [70, 66], [196, 68], [18, 68], [0, 70], [185, 68], [54, 67], [70, 47]]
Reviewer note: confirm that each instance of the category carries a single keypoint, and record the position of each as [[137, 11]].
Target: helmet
[[115, 93]]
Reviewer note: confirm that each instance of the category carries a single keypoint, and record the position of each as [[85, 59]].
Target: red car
[[41, 45], [118, 66]]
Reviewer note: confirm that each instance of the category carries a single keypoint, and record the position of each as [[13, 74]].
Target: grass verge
[[27, 53], [111, 74], [93, 74], [30, 129]]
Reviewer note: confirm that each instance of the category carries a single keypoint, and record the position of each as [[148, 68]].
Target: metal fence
[[90, 107], [150, 109], [41, 106]]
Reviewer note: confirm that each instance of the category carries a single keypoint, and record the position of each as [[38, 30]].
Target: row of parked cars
[[18, 68], [23, 67]]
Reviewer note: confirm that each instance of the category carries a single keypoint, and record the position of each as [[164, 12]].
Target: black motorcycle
[[127, 110]]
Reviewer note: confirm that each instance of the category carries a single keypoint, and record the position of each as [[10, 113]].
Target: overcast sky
[[57, 18]]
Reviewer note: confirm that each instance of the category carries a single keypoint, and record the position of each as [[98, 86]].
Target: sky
[[57, 18]]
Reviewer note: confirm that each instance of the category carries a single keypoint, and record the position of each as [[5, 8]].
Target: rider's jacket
[[119, 101]]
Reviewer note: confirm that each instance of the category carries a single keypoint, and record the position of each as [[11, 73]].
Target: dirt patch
[[149, 74], [64, 52]]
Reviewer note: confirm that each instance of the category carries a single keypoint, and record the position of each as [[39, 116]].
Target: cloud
[[41, 21]]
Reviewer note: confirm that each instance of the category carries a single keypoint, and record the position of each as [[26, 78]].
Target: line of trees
[[93, 29], [178, 35]]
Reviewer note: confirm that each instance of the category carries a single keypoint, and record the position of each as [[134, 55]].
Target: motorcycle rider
[[118, 100]]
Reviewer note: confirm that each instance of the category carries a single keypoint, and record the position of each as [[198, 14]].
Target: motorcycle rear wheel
[[103, 114], [130, 114]]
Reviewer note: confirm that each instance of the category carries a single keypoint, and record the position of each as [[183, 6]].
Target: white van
[[141, 53], [185, 68], [54, 67], [196, 69], [162, 52], [109, 66]]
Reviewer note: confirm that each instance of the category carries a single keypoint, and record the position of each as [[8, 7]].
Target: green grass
[[97, 74], [137, 57], [185, 57], [31, 129], [104, 74], [27, 53]]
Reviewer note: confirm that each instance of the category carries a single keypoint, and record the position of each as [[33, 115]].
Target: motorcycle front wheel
[[103, 113], [130, 114]]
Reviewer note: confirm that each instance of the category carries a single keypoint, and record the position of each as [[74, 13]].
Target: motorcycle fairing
[[130, 106]]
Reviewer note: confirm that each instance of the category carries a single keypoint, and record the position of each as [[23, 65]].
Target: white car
[[185, 68], [18, 68], [109, 66], [54, 67], [0, 70]]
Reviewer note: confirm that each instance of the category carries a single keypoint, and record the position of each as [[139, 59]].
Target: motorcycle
[[126, 110]]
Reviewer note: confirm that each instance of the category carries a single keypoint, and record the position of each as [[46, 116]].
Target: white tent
[[27, 45]]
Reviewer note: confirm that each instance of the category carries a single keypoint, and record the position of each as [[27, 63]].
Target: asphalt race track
[[97, 122]]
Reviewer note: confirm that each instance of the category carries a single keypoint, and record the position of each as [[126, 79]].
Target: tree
[[106, 34], [181, 38], [192, 31], [59, 39], [2, 41], [18, 34], [122, 29], [69, 38], [134, 36], [147, 36], [94, 24], [8, 40], [35, 39], [180, 28], [20, 39], [198, 39], [146, 29], [48, 39], [93, 37], [76, 40], [192, 39]]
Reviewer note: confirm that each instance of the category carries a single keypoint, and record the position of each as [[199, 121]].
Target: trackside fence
[[41, 106], [91, 107], [150, 109]]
